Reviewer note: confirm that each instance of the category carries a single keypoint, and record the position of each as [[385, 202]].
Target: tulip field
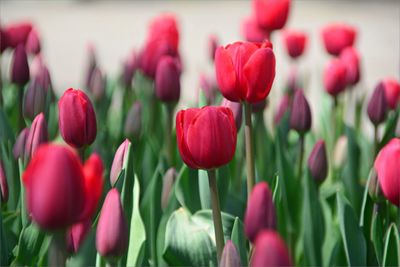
[[118, 172]]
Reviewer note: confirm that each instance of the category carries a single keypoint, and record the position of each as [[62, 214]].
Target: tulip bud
[[230, 256], [76, 235], [37, 135], [35, 99], [236, 110], [206, 137], [169, 179], [377, 106], [252, 32], [270, 251], [318, 162], [97, 84], [212, 46], [340, 152], [271, 14], [91, 64], [392, 92], [167, 83], [335, 77], [33, 42], [295, 42], [19, 66], [133, 122], [19, 146], [387, 167], [351, 59], [284, 106], [260, 211], [300, 115], [112, 229], [118, 161], [129, 68], [209, 87], [54, 186], [17, 33], [77, 120], [3, 184]]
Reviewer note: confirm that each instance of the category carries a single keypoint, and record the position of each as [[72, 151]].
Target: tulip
[[209, 87], [77, 120], [17, 33], [245, 71], [230, 256], [212, 46], [168, 183], [76, 235], [295, 42], [129, 68], [33, 42], [377, 106], [19, 146], [19, 67], [3, 184], [91, 64], [270, 251], [284, 106], [337, 37], [392, 92], [97, 84], [260, 212], [133, 122], [318, 162], [54, 186], [252, 32], [340, 152], [335, 77], [259, 106], [118, 161], [167, 83], [271, 14], [236, 110], [387, 167], [38, 135], [40, 73], [35, 99], [351, 59], [206, 136], [112, 229], [300, 115]]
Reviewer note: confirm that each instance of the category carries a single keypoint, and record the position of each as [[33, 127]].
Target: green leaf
[[187, 189], [204, 190], [86, 255], [390, 128], [238, 238], [377, 236], [352, 235], [29, 245], [391, 252]]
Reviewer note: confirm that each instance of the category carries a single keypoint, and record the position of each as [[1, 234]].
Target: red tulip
[[260, 211], [351, 59], [19, 67], [3, 184], [377, 105], [38, 135], [392, 92], [112, 229], [270, 251], [19, 146], [245, 71], [295, 42], [55, 188], [77, 120], [76, 235], [206, 136], [252, 32], [17, 33], [335, 77], [167, 83], [118, 161], [33, 42], [271, 14], [300, 115], [337, 37], [318, 162], [387, 167]]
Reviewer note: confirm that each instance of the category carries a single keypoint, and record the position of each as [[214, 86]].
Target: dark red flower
[[167, 82], [335, 77], [351, 59], [20, 67], [271, 14], [17, 33], [337, 37], [295, 42]]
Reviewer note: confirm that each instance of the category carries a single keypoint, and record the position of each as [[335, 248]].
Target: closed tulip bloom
[[252, 32], [337, 37], [230, 256], [245, 71], [377, 105], [33, 42], [392, 92], [209, 87], [387, 167], [351, 59], [3, 184], [133, 121], [129, 68], [118, 161], [168, 185], [76, 235], [318, 162], [260, 211], [206, 136], [284, 106], [34, 100], [40, 73], [19, 66], [271, 14], [112, 229], [270, 251], [38, 135], [98, 84], [91, 64], [300, 114], [54, 186], [77, 120], [335, 77], [295, 42], [17, 33], [236, 110], [167, 83], [212, 46], [19, 146]]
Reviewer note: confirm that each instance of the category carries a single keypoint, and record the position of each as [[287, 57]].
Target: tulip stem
[[301, 155], [376, 141], [168, 135], [21, 121], [57, 252], [81, 152], [216, 211], [249, 149]]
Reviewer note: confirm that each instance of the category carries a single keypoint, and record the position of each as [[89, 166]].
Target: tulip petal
[[226, 75]]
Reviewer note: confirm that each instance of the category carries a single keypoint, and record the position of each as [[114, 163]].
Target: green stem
[[21, 121], [57, 252], [81, 152], [249, 149], [376, 141], [301, 155], [168, 135], [334, 124], [216, 211]]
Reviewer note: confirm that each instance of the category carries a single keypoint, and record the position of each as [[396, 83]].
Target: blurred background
[[117, 27]]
